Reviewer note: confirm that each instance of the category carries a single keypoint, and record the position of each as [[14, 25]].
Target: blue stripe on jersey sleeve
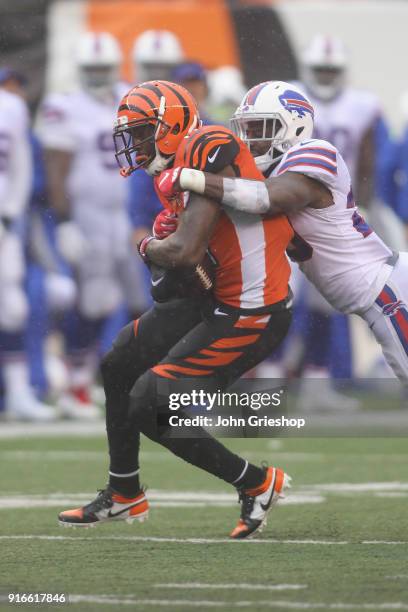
[[309, 161], [331, 155]]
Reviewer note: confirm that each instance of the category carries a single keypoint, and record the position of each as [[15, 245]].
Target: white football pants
[[388, 319]]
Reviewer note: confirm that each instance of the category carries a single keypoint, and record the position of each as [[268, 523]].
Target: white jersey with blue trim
[[81, 124], [342, 256], [15, 156]]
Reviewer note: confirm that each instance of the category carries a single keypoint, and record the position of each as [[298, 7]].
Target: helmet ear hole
[[299, 130], [176, 129]]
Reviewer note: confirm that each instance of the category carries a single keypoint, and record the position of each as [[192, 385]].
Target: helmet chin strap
[[265, 161], [159, 164]]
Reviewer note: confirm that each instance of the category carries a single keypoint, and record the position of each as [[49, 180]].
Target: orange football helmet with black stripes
[[152, 120]]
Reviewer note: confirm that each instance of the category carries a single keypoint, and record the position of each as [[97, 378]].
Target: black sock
[[252, 477], [128, 486]]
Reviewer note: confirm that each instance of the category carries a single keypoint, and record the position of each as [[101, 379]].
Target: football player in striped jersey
[[247, 316], [308, 180]]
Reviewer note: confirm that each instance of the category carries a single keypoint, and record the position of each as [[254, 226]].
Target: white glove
[[71, 242]]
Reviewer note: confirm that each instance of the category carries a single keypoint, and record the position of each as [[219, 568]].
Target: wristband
[[192, 180], [143, 246]]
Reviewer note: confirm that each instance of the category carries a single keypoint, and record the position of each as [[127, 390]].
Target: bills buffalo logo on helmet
[[293, 101]]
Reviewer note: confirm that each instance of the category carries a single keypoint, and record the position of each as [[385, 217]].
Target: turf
[[89, 563]]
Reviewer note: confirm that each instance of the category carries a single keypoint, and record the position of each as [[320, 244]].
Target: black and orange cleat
[[107, 506], [256, 503]]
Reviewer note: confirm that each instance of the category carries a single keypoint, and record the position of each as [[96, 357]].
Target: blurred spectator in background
[[16, 179], [88, 197], [227, 88], [193, 76], [155, 54]]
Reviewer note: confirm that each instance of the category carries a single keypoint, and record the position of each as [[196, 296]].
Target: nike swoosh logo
[[165, 175], [157, 281], [268, 503], [217, 311], [211, 159], [112, 515]]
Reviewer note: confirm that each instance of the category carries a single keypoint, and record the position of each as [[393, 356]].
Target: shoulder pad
[[317, 158], [210, 148]]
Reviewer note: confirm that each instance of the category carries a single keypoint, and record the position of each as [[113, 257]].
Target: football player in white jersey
[[155, 54], [89, 199], [344, 116], [309, 182], [348, 118], [15, 185]]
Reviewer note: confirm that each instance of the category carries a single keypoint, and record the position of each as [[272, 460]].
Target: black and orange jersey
[[252, 267]]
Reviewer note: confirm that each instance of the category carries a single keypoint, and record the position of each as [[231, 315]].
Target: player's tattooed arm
[[187, 246], [284, 194]]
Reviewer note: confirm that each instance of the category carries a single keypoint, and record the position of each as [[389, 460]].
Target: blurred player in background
[[50, 289], [89, 201], [193, 76], [155, 54], [398, 160], [227, 88], [15, 187]]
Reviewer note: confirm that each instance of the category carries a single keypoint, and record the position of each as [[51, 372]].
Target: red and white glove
[[168, 182], [164, 224]]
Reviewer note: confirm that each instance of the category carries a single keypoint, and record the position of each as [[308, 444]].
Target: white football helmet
[[98, 58], [271, 118], [324, 64], [155, 54]]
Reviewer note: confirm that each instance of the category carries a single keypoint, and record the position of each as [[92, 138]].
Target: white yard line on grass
[[245, 586], [308, 494], [78, 455], [73, 455], [158, 499], [165, 540], [57, 429], [389, 494], [182, 603], [398, 577], [358, 487]]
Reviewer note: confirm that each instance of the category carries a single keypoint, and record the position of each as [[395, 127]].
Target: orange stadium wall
[[204, 28], [215, 32]]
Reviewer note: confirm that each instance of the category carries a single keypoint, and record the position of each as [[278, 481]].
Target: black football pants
[[172, 342]]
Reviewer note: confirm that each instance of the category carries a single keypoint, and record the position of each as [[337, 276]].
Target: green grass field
[[340, 541]]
